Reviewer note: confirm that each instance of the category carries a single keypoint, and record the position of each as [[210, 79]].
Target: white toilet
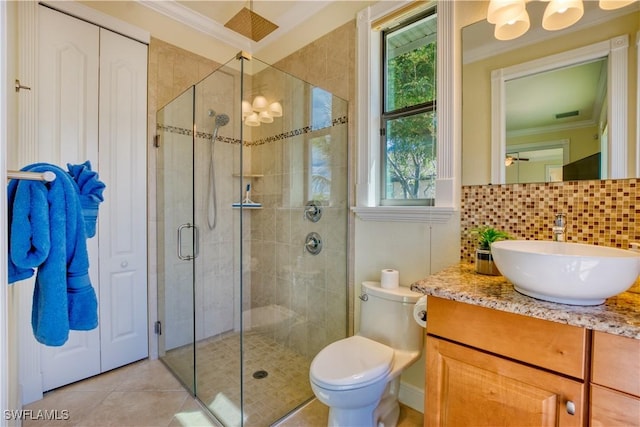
[[359, 377]]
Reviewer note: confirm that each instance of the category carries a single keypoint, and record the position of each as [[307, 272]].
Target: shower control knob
[[313, 243], [313, 211]]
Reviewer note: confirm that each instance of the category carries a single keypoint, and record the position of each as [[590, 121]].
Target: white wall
[[9, 396], [415, 250]]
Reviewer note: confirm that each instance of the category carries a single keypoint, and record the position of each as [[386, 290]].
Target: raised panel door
[[470, 387], [67, 109], [122, 228], [613, 408]]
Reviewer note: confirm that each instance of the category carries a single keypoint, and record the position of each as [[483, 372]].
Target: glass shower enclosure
[[252, 238]]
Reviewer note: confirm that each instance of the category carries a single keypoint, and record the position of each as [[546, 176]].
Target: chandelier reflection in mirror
[[260, 111], [512, 20]]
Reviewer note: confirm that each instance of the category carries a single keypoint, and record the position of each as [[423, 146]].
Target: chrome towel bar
[[46, 176]]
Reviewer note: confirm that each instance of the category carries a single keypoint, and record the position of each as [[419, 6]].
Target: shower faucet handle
[[312, 211], [313, 243]]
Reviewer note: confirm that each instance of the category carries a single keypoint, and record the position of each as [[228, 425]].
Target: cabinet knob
[[571, 408]]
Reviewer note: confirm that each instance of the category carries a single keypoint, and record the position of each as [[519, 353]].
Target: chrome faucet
[[559, 228]]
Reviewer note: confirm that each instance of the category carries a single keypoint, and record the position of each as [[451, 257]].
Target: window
[[319, 180], [408, 112], [370, 177]]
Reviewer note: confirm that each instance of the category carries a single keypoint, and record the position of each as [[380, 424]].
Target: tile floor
[[146, 394], [266, 399]]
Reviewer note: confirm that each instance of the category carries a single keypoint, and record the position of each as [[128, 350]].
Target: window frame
[[447, 203], [398, 113]]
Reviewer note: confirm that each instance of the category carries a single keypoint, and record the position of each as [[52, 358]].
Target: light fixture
[[246, 109], [265, 117], [508, 161], [260, 104], [252, 120], [502, 11], [260, 111], [512, 20], [275, 108], [614, 4], [512, 29], [561, 14]]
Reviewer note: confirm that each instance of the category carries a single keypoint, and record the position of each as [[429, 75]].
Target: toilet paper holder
[[420, 311]]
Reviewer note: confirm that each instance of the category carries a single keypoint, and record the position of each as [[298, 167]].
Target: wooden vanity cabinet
[[487, 368], [615, 381]]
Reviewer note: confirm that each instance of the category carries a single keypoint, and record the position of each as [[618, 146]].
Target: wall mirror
[[551, 105]]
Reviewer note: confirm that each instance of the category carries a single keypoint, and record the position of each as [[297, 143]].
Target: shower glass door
[[252, 162], [218, 268], [176, 249]]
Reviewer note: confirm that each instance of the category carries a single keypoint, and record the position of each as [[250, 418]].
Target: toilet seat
[[352, 362]]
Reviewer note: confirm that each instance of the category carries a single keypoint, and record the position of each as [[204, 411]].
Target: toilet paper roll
[[389, 278], [420, 311]]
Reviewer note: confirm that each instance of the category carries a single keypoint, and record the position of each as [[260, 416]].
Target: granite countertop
[[619, 315]]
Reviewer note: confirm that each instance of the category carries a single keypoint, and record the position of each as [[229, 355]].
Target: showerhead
[[222, 120]]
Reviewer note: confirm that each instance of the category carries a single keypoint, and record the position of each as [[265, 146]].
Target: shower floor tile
[[285, 387]]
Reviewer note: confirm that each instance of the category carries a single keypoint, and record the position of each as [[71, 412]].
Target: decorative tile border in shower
[[598, 212], [279, 137], [292, 133]]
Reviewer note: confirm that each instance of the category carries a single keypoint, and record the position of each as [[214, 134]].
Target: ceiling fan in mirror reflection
[[512, 20], [509, 160]]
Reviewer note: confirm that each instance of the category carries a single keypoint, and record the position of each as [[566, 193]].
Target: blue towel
[[47, 232], [32, 247], [91, 189]]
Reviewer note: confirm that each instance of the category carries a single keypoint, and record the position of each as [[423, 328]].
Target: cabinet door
[[468, 387], [621, 354], [611, 408]]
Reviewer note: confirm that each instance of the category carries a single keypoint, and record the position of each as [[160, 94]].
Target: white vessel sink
[[567, 273]]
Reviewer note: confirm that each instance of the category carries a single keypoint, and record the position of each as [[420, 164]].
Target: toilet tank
[[386, 316]]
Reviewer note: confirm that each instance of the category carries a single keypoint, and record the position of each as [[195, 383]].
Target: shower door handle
[[196, 238]]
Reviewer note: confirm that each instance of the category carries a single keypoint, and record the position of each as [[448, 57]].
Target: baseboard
[[411, 396]]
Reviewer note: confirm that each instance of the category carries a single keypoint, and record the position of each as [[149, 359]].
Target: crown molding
[[206, 25], [198, 22]]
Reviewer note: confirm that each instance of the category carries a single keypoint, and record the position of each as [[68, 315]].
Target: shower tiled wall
[[329, 62], [313, 288], [598, 212]]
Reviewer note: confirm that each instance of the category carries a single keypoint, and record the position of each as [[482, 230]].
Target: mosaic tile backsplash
[[598, 212]]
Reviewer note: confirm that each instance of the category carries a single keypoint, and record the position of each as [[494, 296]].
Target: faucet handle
[[560, 220]]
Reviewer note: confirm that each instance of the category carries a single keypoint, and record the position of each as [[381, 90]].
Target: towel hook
[[20, 86]]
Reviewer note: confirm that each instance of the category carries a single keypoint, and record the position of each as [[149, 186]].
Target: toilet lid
[[351, 361]]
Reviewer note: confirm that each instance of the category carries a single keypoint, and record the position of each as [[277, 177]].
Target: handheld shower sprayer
[[221, 120]]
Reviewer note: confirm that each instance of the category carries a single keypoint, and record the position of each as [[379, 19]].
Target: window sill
[[426, 214]]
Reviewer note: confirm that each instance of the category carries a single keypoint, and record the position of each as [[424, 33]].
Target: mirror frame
[[616, 50]]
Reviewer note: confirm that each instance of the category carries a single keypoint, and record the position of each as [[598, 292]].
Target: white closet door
[[67, 93], [123, 237]]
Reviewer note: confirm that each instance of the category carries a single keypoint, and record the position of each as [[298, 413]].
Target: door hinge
[[383, 132], [157, 328], [156, 140]]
